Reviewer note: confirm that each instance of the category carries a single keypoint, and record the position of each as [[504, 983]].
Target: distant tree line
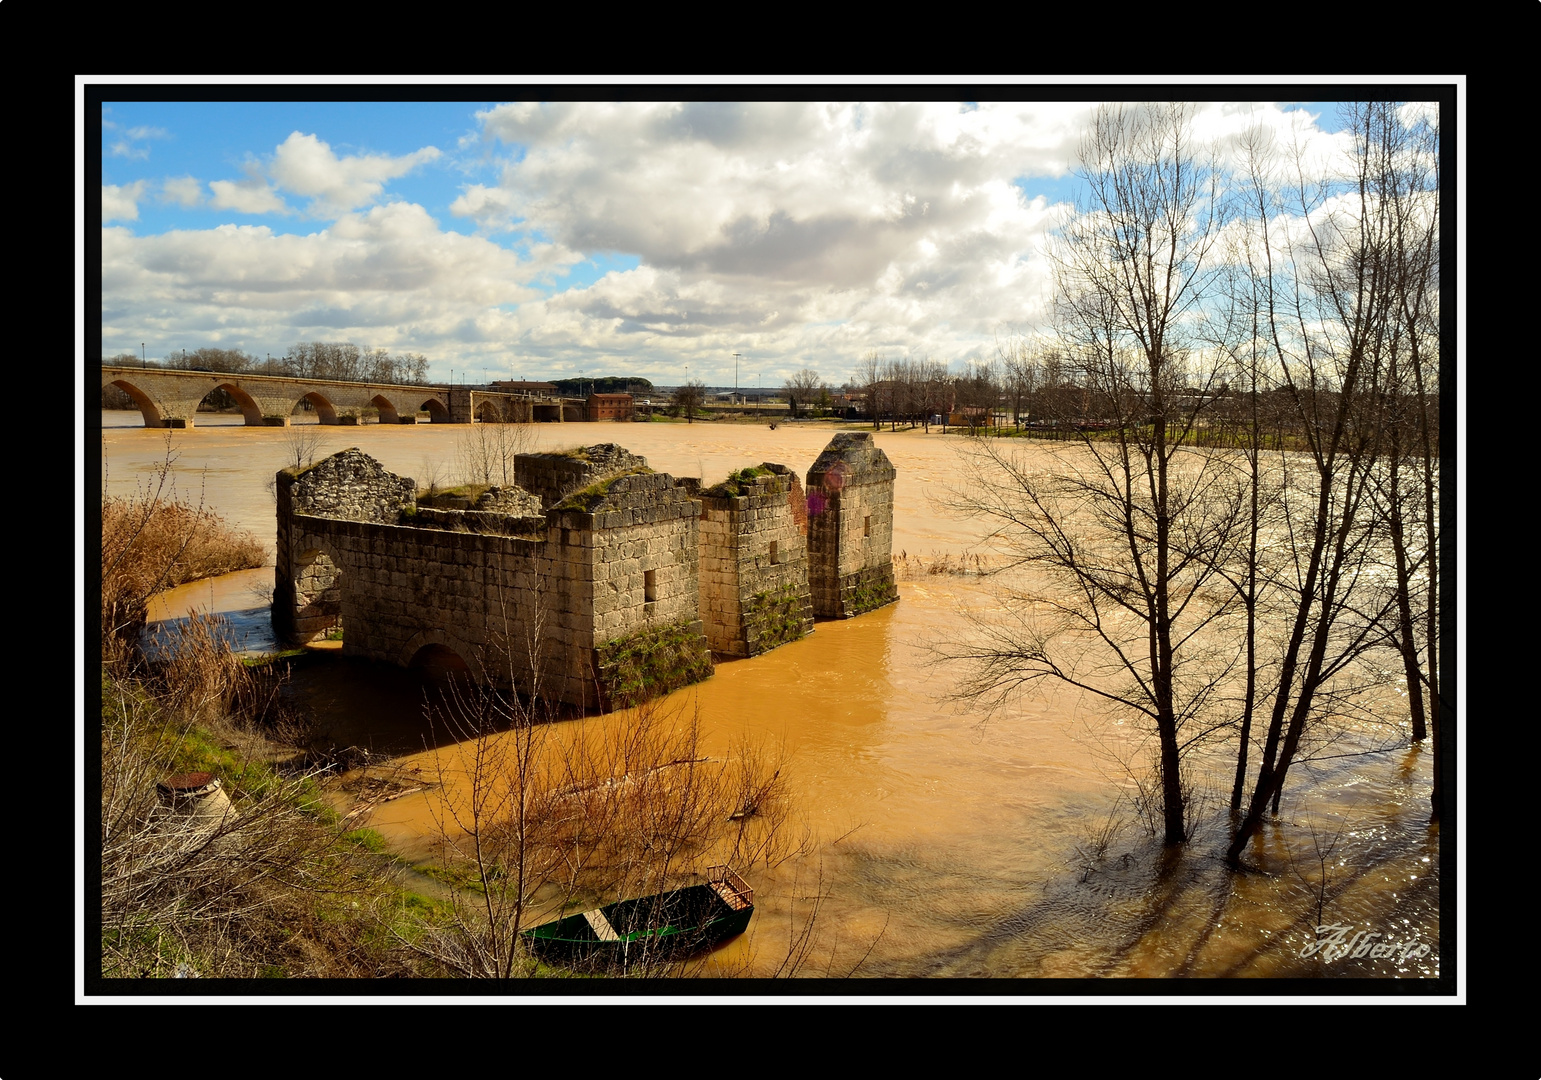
[[604, 384]]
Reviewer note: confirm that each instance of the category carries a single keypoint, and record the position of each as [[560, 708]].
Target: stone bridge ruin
[[596, 581]]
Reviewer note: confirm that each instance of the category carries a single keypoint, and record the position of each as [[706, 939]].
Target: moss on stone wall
[[591, 496], [871, 588], [737, 484], [774, 617], [651, 662]]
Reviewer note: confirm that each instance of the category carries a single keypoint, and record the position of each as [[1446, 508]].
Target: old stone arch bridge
[[170, 399]]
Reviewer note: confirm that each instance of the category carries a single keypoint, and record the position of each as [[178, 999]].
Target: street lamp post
[[735, 375]]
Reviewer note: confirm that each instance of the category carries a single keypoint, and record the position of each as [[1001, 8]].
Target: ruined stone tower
[[595, 582], [850, 496], [754, 562]]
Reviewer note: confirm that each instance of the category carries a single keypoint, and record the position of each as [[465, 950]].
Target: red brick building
[[608, 407]]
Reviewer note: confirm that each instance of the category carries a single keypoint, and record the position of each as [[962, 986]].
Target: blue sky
[[627, 237]]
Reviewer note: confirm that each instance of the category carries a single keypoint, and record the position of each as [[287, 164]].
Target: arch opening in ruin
[[487, 413], [437, 412], [318, 582]]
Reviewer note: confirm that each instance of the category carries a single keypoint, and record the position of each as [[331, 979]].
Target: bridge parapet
[[170, 398]]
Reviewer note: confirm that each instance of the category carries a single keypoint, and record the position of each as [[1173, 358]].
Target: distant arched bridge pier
[[168, 398]]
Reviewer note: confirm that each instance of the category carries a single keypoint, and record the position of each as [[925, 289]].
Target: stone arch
[[317, 578], [487, 412], [325, 410], [428, 648], [247, 404], [437, 412], [388, 413], [153, 417]]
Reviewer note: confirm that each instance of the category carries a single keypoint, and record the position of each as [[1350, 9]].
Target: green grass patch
[[652, 662], [588, 498], [367, 839], [738, 483]]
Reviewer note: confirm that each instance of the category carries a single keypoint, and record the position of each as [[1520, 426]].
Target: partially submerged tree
[[1344, 295], [1122, 529]]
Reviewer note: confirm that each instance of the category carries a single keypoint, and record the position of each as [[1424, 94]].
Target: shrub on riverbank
[[267, 885], [153, 541]]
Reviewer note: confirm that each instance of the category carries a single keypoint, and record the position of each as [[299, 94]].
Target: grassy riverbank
[[256, 878]]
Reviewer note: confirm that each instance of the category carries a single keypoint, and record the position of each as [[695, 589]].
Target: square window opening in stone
[[650, 585], [866, 525], [775, 553]]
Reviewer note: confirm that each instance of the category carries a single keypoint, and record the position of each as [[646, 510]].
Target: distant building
[[531, 389], [609, 407]]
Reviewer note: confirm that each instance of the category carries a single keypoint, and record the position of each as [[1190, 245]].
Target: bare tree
[[688, 399], [802, 389], [301, 443], [486, 451], [1125, 527], [1336, 301], [869, 373]]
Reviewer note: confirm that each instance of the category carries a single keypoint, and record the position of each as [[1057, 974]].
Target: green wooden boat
[[666, 926]]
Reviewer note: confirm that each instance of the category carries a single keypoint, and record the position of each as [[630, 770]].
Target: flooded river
[[947, 843]]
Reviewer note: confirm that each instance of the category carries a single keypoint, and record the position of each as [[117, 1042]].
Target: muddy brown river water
[[947, 843]]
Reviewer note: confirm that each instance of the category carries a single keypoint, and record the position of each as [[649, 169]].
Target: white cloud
[[127, 147], [182, 190], [252, 195], [305, 165], [792, 233], [777, 226], [380, 277], [121, 203]]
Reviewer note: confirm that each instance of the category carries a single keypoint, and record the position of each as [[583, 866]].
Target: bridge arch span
[[325, 410], [148, 407], [248, 404], [438, 412], [387, 407]]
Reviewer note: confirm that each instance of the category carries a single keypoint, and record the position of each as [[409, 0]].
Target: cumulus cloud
[[794, 233], [305, 165], [252, 195], [130, 145], [121, 203], [756, 220], [182, 190], [388, 274]]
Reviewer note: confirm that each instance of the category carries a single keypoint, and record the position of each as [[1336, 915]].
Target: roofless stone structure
[[597, 581]]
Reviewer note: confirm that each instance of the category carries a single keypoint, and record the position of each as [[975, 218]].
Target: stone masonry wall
[[531, 610], [617, 592], [553, 476], [850, 528], [754, 565]]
